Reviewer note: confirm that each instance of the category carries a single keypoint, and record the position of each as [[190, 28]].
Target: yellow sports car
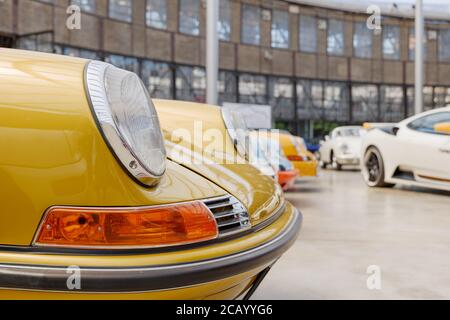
[[93, 205], [295, 150]]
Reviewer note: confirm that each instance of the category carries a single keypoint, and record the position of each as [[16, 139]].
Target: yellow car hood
[[260, 194]]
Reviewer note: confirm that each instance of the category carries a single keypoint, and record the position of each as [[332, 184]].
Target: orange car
[[287, 174]]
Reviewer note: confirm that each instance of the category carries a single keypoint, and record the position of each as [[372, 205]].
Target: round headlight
[[237, 130], [128, 120]]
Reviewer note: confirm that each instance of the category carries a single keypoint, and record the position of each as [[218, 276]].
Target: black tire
[[373, 169], [334, 163], [323, 164]]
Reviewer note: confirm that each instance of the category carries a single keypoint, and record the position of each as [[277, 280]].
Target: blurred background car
[[342, 147], [294, 148], [416, 151], [270, 148]]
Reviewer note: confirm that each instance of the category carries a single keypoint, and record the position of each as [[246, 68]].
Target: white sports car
[[415, 151], [342, 147]]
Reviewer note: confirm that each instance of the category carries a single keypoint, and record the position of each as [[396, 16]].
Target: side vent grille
[[230, 214]]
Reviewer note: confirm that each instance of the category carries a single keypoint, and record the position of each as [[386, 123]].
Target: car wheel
[[323, 164], [373, 169], [334, 163]]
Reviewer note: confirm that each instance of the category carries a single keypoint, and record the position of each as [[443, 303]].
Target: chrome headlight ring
[[128, 121]]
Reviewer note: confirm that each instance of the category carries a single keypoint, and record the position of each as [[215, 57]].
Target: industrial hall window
[[156, 14], [157, 77], [121, 10], [335, 37], [412, 45], [308, 34], [441, 97], [76, 52], [281, 97], [191, 84], [86, 5], [365, 103], [362, 40], [252, 89], [392, 105], [336, 101], [227, 87], [189, 17], [224, 23], [428, 102], [391, 42], [123, 62], [251, 28], [309, 99], [444, 45], [280, 29]]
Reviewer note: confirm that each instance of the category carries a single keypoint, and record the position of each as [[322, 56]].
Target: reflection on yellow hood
[[260, 194]]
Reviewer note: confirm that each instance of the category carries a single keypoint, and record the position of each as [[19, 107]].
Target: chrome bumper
[[141, 279]]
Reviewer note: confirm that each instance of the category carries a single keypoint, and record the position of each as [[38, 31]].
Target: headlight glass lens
[[128, 120]]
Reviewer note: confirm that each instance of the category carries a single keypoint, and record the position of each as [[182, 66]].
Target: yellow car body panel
[[257, 192], [54, 155]]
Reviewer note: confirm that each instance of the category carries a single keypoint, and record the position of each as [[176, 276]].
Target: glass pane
[[391, 42], [280, 29], [427, 99], [365, 103], [191, 84], [40, 42], [335, 41], [412, 45], [309, 99], [281, 98], [156, 14], [250, 24], [308, 34], [157, 78], [336, 101], [86, 5], [121, 10], [252, 89], [227, 87], [81, 53], [444, 45], [392, 106], [189, 16], [127, 63], [362, 41], [224, 23], [441, 97]]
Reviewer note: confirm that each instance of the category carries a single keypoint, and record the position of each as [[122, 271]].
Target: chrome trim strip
[[97, 96]]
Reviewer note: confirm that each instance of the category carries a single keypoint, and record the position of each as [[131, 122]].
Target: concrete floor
[[348, 227]]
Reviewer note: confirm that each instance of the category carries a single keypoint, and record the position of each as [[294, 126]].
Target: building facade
[[316, 67]]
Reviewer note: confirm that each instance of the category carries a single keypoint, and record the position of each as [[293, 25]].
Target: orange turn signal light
[[138, 227]]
